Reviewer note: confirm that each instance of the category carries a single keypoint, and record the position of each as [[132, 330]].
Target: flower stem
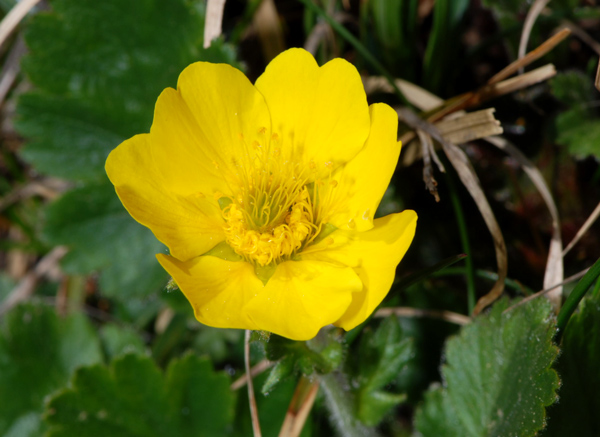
[[344, 33], [340, 404], [464, 238], [251, 398]]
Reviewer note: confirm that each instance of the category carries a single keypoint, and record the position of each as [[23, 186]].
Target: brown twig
[[448, 316], [26, 286], [533, 55], [251, 398], [468, 177], [430, 182], [534, 11], [300, 405], [257, 369], [14, 17], [572, 278], [554, 266], [581, 232]]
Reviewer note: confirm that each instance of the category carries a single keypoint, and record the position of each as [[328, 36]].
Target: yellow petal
[[217, 289], [374, 255], [302, 297], [189, 226], [362, 182], [319, 113], [203, 132]]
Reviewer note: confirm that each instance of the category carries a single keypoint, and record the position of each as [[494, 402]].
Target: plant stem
[[464, 238], [251, 398], [484, 274], [340, 404], [575, 297], [360, 48]]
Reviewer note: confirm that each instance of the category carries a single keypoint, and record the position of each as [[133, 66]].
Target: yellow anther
[[215, 164], [241, 136], [328, 164], [255, 145], [333, 183], [275, 137], [351, 224], [262, 130], [312, 165]]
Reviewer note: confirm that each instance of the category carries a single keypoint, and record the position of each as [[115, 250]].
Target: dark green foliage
[[101, 235], [576, 412], [383, 354], [96, 85], [38, 353], [322, 354], [578, 128], [133, 398], [99, 79], [497, 376]]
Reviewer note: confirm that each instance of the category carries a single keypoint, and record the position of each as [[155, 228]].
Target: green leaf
[[133, 398], [101, 235], [572, 87], [580, 132], [497, 376], [38, 353], [576, 413], [322, 355], [98, 80], [383, 355], [118, 340], [578, 128]]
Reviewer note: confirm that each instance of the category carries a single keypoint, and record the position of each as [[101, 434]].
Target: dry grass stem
[[448, 316], [554, 273], [251, 398], [421, 98], [14, 17], [597, 81], [534, 11], [533, 55], [525, 80], [575, 277], [257, 369], [470, 126], [581, 232], [426, 147], [468, 177], [582, 35], [323, 32], [267, 24], [213, 21], [11, 68], [300, 405], [26, 286], [48, 188]]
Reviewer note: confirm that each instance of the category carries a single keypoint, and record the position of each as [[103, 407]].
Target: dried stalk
[[581, 232], [300, 405], [572, 278], [14, 17], [251, 398], [447, 316], [26, 286], [257, 369], [554, 273], [468, 177], [213, 23], [534, 11]]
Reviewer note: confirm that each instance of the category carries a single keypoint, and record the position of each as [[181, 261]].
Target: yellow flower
[[265, 194]]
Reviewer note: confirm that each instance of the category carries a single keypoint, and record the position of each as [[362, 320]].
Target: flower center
[[269, 232]]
